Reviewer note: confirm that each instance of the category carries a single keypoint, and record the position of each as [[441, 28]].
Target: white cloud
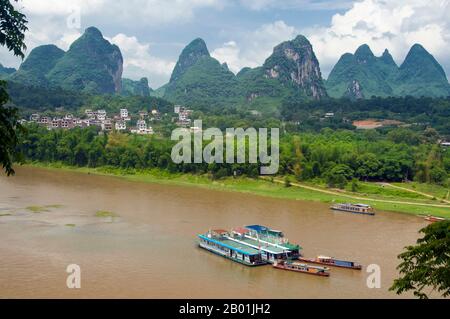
[[259, 5], [252, 48], [395, 25], [138, 61]]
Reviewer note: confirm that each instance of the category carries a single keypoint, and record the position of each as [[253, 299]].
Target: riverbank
[[378, 196]]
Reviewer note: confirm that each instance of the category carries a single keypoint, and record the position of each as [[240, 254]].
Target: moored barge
[[330, 261], [434, 219], [270, 248], [302, 268], [218, 242], [354, 208]]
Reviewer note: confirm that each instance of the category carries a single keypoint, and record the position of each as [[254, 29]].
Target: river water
[[149, 250]]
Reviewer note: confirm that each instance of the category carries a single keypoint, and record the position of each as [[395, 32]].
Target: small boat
[[303, 268], [330, 261], [434, 219], [354, 208]]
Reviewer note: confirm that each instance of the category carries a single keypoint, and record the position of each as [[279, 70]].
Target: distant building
[[177, 109], [329, 115], [56, 123], [107, 125], [44, 120], [124, 113], [141, 125], [34, 117], [445, 144], [121, 126], [101, 115], [89, 113]]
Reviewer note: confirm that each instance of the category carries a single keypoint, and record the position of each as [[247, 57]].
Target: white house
[[124, 113], [141, 125], [121, 126], [101, 115]]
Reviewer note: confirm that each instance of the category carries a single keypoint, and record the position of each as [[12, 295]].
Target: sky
[[152, 33]]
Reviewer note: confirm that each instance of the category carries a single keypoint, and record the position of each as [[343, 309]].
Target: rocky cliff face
[[294, 63], [135, 88], [354, 91]]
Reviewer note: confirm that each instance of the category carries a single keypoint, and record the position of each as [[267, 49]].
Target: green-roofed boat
[[219, 242]]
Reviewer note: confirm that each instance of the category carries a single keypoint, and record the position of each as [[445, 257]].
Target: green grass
[[270, 189], [438, 191], [104, 213], [5, 214], [54, 206], [37, 209], [70, 225], [385, 191]]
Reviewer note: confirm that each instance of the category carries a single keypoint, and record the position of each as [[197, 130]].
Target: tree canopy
[[426, 265]]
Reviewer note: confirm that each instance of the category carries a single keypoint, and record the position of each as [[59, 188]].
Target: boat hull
[[313, 261], [353, 212], [242, 262], [320, 274], [433, 219]]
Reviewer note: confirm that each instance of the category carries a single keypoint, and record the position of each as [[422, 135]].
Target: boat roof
[[324, 257], [230, 244], [219, 231], [261, 246], [260, 228], [241, 230], [257, 228]]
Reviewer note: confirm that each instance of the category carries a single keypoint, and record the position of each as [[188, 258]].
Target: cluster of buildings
[[184, 116], [100, 118]]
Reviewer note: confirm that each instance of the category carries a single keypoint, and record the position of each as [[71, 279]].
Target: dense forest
[[334, 157]]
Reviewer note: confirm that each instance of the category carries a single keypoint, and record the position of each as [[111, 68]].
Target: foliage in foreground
[[426, 265]]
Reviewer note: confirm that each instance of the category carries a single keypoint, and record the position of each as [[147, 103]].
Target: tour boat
[[330, 261], [354, 208], [218, 242], [434, 219], [302, 268], [272, 244]]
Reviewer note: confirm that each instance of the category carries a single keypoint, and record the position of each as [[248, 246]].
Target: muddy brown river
[[149, 250]]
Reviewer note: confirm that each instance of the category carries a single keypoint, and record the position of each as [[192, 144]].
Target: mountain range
[[363, 75], [94, 65]]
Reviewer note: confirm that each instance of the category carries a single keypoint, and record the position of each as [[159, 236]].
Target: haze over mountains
[[94, 65]]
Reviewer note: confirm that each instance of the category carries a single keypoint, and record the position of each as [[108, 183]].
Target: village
[[124, 121]]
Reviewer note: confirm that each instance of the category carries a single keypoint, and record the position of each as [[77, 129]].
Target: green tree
[[12, 34], [426, 265]]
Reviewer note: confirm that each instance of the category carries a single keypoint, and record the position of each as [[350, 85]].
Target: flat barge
[[330, 261], [301, 268], [354, 208], [218, 242]]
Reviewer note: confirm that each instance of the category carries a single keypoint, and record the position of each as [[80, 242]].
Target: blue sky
[[152, 33]]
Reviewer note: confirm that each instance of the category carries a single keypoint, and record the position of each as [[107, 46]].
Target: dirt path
[[357, 197], [413, 191]]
